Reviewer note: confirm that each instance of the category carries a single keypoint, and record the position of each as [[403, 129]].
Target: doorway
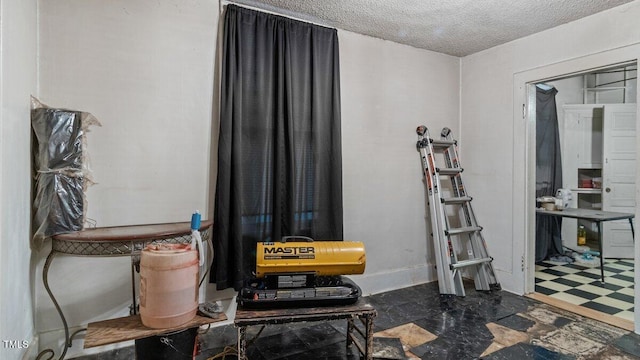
[[570, 274]]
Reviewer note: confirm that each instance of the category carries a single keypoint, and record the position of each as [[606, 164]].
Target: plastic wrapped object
[[62, 174]]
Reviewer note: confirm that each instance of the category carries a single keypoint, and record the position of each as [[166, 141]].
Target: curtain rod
[[588, 71], [273, 11]]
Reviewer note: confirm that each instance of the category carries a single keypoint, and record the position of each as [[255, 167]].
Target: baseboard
[[397, 279], [369, 283], [54, 340], [22, 348], [32, 350]]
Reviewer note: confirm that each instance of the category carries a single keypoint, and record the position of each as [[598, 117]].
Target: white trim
[[524, 131], [32, 350], [371, 284]]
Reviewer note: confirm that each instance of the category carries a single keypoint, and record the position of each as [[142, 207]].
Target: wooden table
[[597, 216], [114, 241], [361, 310]]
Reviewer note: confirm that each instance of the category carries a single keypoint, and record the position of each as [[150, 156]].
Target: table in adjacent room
[[597, 216]]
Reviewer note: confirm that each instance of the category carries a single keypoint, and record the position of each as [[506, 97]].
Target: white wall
[[493, 140], [145, 70], [17, 83], [387, 91], [569, 92]]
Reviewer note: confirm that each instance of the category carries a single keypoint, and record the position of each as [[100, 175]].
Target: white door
[[619, 182], [581, 140]]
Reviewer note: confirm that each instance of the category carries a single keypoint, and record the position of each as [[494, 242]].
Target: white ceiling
[[454, 27]]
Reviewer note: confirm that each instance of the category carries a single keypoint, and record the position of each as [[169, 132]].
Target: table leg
[[134, 305], [369, 339], [67, 339], [242, 343], [601, 253], [350, 326]]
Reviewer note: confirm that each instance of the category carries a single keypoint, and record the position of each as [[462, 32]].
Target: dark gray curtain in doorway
[[548, 172], [280, 162]]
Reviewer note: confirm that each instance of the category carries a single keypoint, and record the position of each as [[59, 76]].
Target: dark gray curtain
[[548, 172], [280, 162]]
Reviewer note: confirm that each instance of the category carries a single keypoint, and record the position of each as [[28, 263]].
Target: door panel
[[619, 169], [581, 149]]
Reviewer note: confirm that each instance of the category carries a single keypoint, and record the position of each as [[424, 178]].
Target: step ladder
[[457, 237]]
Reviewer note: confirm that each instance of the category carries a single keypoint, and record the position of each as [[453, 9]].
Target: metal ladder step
[[466, 263], [463, 230], [448, 171], [442, 144], [456, 200]]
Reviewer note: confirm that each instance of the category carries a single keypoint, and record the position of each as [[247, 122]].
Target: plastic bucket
[[168, 285], [179, 345]]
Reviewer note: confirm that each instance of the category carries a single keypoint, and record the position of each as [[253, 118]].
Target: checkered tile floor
[[581, 285]]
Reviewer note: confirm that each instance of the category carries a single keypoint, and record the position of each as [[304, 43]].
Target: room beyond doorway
[[570, 272]]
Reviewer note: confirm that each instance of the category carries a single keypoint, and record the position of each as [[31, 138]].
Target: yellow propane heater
[[298, 271]]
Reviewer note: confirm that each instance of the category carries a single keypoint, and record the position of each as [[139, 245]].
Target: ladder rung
[[448, 171], [463, 230], [466, 263], [456, 200], [442, 143]]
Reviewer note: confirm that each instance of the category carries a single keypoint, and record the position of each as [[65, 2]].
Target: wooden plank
[[252, 316], [131, 328], [583, 311]]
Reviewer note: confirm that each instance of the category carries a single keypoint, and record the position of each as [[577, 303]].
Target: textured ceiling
[[454, 27]]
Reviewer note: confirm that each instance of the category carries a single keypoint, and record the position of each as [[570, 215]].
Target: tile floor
[[581, 285], [492, 326]]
